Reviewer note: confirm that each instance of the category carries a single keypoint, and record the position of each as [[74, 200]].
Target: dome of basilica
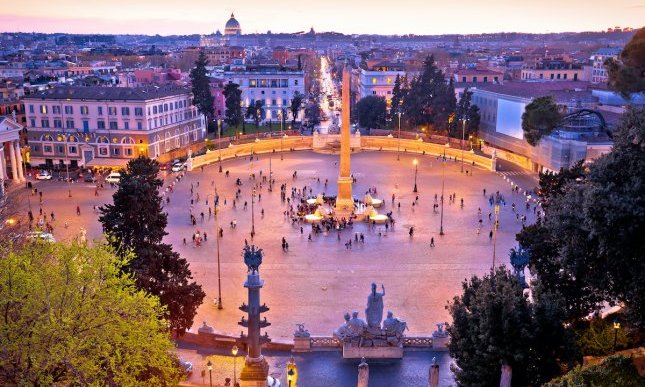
[[232, 27]]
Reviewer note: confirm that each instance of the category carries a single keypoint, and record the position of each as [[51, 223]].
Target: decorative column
[[3, 163], [256, 369], [344, 200], [14, 163], [21, 175], [363, 374]]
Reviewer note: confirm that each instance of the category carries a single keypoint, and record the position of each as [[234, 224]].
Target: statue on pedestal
[[374, 310], [393, 326]]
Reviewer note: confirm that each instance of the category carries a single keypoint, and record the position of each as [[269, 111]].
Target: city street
[[316, 282], [328, 87]]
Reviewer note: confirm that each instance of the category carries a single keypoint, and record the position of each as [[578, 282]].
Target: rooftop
[[110, 93], [563, 91]]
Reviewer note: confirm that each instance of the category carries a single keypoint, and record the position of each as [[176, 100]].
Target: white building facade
[[379, 81], [11, 161], [108, 126], [274, 87]]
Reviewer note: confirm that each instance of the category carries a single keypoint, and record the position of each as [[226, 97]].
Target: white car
[[176, 167], [44, 175], [113, 178], [41, 236]]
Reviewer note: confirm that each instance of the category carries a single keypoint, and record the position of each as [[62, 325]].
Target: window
[[100, 124], [33, 123], [112, 111], [58, 123], [154, 109], [485, 79], [103, 151], [44, 123], [295, 82], [165, 107], [474, 79], [113, 125], [48, 149], [463, 79], [273, 102], [374, 81], [389, 81], [138, 111], [56, 109], [564, 76], [374, 92], [69, 109], [284, 102], [72, 149], [139, 125], [85, 110], [86, 126], [100, 110], [552, 76], [128, 151], [274, 83], [558, 76], [125, 111], [31, 108], [60, 149], [115, 151], [43, 109], [126, 125]]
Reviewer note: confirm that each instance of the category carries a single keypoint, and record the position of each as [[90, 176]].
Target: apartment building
[[378, 80], [108, 126]]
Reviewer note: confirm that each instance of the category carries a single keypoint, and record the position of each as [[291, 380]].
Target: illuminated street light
[[234, 351], [210, 372], [616, 328], [416, 170], [495, 233], [443, 184]]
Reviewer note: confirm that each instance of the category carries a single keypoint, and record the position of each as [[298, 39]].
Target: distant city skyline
[[168, 17]]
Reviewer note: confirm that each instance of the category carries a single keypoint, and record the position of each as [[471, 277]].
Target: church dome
[[232, 27]]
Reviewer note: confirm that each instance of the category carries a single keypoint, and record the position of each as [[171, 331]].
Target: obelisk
[[344, 200]]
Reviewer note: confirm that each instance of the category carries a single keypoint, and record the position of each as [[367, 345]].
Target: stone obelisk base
[[344, 200], [254, 373]]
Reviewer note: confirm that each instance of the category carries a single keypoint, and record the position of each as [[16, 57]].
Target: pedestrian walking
[[432, 242]]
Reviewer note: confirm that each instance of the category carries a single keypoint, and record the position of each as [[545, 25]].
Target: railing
[[417, 342], [325, 342]]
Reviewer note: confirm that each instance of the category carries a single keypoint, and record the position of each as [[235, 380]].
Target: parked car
[[89, 178], [44, 175], [178, 167], [113, 178], [186, 365]]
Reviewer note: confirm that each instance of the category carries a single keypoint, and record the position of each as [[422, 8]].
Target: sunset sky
[[167, 17]]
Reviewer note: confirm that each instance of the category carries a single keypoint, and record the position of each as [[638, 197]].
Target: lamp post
[[219, 142], [463, 135], [495, 233], [210, 372], [234, 351], [616, 328], [416, 170], [281, 136], [253, 213], [69, 188], [398, 147], [443, 184], [217, 238]]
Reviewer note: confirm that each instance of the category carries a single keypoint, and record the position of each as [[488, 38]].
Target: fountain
[[370, 201]]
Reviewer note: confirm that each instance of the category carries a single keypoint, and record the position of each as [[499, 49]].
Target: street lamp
[[253, 213], [495, 233], [443, 184], [219, 277], [281, 134], [416, 170], [69, 188], [463, 135], [234, 351], [210, 372], [616, 328], [398, 147], [219, 143]]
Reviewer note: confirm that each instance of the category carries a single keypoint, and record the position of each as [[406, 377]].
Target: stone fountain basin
[[376, 203], [313, 218], [378, 219]]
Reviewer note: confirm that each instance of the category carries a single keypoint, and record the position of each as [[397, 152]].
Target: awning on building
[[98, 162]]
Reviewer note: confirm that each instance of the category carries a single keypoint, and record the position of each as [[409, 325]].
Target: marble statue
[[356, 325], [394, 326], [301, 331], [374, 310], [344, 332], [252, 258]]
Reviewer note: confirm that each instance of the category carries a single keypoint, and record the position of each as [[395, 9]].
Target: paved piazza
[[317, 282]]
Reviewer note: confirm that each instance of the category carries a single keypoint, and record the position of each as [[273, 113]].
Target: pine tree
[[233, 96], [135, 223], [397, 96], [296, 104], [202, 96]]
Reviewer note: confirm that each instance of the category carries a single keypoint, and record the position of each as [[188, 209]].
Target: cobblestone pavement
[[316, 282]]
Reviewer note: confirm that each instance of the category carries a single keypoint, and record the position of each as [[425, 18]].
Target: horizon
[[410, 17]]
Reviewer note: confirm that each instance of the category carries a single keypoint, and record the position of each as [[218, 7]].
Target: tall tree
[[397, 95], [135, 223], [429, 100], [233, 96], [602, 215], [540, 118], [255, 111], [495, 324], [627, 75], [371, 112], [465, 109], [312, 114], [202, 95], [296, 104], [71, 318]]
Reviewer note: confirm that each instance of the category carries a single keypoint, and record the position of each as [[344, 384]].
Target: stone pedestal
[[301, 344], [440, 342], [355, 352], [254, 373], [434, 375]]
